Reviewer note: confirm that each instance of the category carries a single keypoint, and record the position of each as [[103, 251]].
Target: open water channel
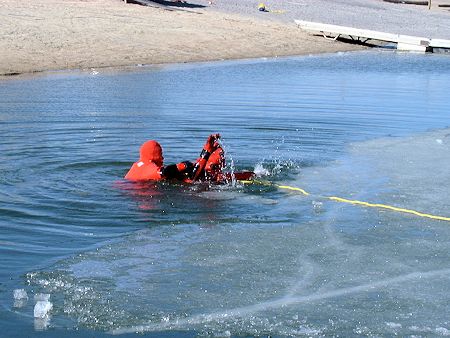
[[177, 260]]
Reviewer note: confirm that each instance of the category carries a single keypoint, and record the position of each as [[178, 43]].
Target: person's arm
[[200, 164]]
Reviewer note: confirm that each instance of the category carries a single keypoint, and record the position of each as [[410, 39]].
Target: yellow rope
[[355, 202], [390, 207], [293, 188]]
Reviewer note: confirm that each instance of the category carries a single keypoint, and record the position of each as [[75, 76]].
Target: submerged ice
[[20, 298]]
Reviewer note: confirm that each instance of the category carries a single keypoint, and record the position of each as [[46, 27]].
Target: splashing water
[[260, 171], [229, 163]]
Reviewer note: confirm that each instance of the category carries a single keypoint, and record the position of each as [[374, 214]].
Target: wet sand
[[42, 35]]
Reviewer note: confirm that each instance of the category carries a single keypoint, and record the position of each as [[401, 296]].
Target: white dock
[[404, 42]]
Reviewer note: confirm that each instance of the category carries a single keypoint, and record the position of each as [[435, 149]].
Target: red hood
[[151, 151]]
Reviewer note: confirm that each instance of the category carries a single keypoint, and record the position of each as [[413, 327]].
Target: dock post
[[429, 4]]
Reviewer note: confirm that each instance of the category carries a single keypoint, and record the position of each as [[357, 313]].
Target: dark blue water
[[144, 255]]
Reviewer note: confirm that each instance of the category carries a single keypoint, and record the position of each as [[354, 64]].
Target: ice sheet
[[305, 266]]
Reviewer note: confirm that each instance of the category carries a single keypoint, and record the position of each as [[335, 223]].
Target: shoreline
[[53, 35], [57, 35], [108, 70]]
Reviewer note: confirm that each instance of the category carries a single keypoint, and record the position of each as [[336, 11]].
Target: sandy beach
[[60, 34], [45, 35]]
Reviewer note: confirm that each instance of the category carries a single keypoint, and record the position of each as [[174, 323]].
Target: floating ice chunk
[[394, 325], [439, 141], [317, 206], [20, 294], [41, 296], [20, 298], [42, 308]]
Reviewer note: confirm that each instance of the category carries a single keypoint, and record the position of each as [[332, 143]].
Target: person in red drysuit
[[150, 166]]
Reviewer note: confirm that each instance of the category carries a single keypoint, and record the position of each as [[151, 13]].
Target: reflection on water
[[245, 260]]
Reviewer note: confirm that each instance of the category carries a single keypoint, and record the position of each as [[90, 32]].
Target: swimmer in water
[[208, 167]]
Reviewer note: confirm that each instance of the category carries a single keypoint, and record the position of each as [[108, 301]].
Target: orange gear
[[150, 164], [208, 166], [215, 165]]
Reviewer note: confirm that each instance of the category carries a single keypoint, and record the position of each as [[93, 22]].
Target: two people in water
[[208, 167]]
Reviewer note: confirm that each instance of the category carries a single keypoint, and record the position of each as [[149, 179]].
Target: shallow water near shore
[[245, 260]]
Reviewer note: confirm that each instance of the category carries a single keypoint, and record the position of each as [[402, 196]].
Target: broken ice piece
[[42, 308], [20, 294]]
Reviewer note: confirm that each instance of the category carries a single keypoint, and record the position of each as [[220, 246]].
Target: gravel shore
[[365, 14]]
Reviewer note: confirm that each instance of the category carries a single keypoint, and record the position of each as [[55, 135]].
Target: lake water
[[176, 260]]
